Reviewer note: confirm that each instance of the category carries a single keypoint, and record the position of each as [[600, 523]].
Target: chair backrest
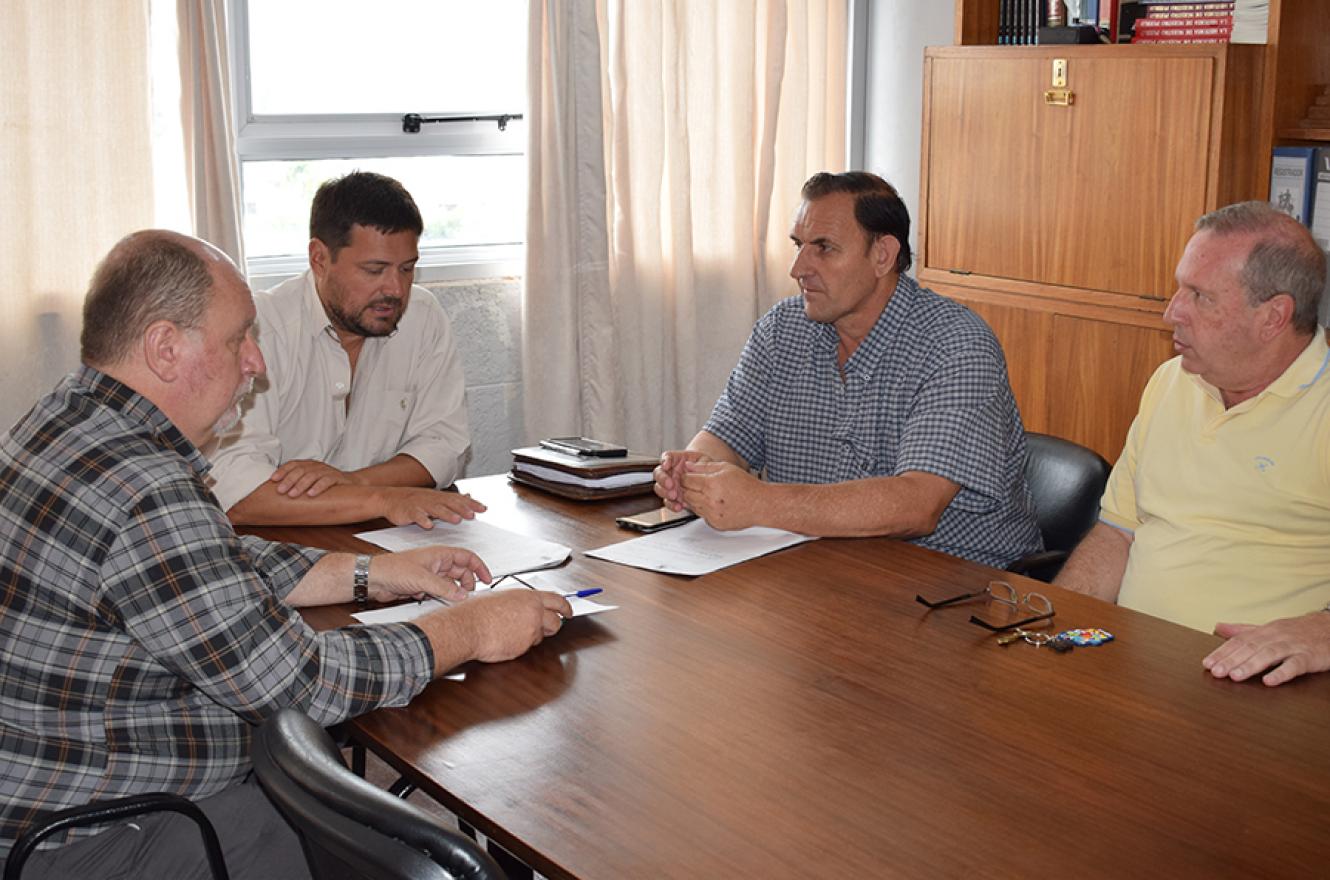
[[351, 829], [1066, 481]]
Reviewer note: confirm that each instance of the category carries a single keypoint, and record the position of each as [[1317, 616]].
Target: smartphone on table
[[584, 446], [655, 520]]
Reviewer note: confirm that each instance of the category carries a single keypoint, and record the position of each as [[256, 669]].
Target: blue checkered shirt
[[140, 638], [926, 390]]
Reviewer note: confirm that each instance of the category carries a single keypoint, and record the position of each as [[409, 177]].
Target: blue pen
[[582, 594]]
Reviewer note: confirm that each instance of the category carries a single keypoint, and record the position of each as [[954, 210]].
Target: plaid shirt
[[927, 390], [139, 636]]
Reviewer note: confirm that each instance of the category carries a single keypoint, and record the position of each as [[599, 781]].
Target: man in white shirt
[[364, 413]]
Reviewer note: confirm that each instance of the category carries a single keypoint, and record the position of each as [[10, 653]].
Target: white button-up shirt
[[407, 396]]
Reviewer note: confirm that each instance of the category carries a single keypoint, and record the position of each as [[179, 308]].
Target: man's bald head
[[149, 276]]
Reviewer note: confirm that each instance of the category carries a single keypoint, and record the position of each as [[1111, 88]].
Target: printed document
[[411, 610], [503, 551], [697, 548]]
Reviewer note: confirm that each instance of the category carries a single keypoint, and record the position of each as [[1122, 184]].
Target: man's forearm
[[328, 582], [400, 470], [337, 505], [715, 449], [907, 506], [1098, 563]]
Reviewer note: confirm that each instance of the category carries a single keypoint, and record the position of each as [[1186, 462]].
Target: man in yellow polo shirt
[[1217, 515]]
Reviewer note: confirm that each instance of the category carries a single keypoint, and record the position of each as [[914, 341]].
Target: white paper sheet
[[697, 548], [411, 610], [503, 551]]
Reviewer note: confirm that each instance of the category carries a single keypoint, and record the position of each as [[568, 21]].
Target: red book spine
[[1218, 31], [1143, 39], [1156, 13], [1189, 9], [1154, 24], [1108, 18]]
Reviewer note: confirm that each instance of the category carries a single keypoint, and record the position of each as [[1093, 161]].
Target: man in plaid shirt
[[869, 405], [140, 637]]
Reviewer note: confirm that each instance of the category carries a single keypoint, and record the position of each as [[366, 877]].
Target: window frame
[[369, 136]]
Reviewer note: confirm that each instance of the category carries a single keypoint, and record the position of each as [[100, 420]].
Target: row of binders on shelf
[[1300, 186], [583, 478]]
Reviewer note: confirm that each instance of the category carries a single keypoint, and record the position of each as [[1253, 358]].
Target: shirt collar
[[1308, 369], [888, 326], [311, 307], [138, 409]]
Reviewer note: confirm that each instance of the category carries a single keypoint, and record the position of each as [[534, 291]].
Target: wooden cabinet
[[1061, 223]]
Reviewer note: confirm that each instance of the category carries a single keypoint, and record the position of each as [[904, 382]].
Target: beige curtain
[[76, 167], [668, 141], [207, 116]]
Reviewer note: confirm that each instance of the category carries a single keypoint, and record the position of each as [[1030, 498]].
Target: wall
[[486, 321], [898, 31]]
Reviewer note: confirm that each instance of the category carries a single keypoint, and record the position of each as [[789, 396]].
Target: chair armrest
[[1043, 565], [101, 812]]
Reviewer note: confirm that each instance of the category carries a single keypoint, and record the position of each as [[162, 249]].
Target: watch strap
[[360, 583]]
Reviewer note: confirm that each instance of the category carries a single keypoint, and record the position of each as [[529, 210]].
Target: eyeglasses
[[1037, 604]]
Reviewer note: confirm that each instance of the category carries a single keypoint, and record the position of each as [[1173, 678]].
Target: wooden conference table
[[801, 715]]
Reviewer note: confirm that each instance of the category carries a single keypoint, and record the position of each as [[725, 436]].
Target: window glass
[[463, 200], [311, 57]]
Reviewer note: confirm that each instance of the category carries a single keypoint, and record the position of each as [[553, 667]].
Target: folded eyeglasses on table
[[1037, 605]]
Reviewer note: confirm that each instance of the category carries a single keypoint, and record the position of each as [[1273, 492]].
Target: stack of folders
[[582, 477]]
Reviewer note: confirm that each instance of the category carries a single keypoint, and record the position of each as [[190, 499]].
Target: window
[[321, 89]]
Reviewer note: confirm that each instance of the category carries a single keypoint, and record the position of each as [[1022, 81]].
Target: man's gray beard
[[231, 417]]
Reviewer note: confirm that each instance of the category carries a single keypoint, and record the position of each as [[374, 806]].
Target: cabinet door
[[1098, 195], [1101, 368]]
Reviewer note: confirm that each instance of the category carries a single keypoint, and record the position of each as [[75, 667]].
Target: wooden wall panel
[[1099, 370]]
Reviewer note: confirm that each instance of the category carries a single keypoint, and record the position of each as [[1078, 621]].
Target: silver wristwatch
[[361, 582]]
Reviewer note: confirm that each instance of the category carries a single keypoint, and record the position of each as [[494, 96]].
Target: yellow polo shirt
[[1230, 509]]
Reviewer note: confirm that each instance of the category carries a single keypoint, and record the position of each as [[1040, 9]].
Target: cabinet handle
[[1059, 97]]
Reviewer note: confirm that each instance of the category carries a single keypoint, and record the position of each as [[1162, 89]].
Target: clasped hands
[[725, 495]]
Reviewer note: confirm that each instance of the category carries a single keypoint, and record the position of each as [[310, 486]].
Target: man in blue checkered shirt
[[867, 405], [140, 637]]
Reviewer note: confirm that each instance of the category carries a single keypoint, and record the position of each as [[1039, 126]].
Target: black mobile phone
[[584, 446], [655, 520]]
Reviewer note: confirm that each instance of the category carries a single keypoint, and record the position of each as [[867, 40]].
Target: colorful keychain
[[1062, 642]]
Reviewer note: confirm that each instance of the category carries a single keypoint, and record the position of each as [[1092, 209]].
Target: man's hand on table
[[403, 506], [448, 573], [1294, 646]]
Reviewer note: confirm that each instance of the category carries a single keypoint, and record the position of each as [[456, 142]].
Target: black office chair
[[100, 812], [351, 829], [1066, 480]]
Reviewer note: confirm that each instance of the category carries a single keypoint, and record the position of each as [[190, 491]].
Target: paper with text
[[503, 551], [697, 548]]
